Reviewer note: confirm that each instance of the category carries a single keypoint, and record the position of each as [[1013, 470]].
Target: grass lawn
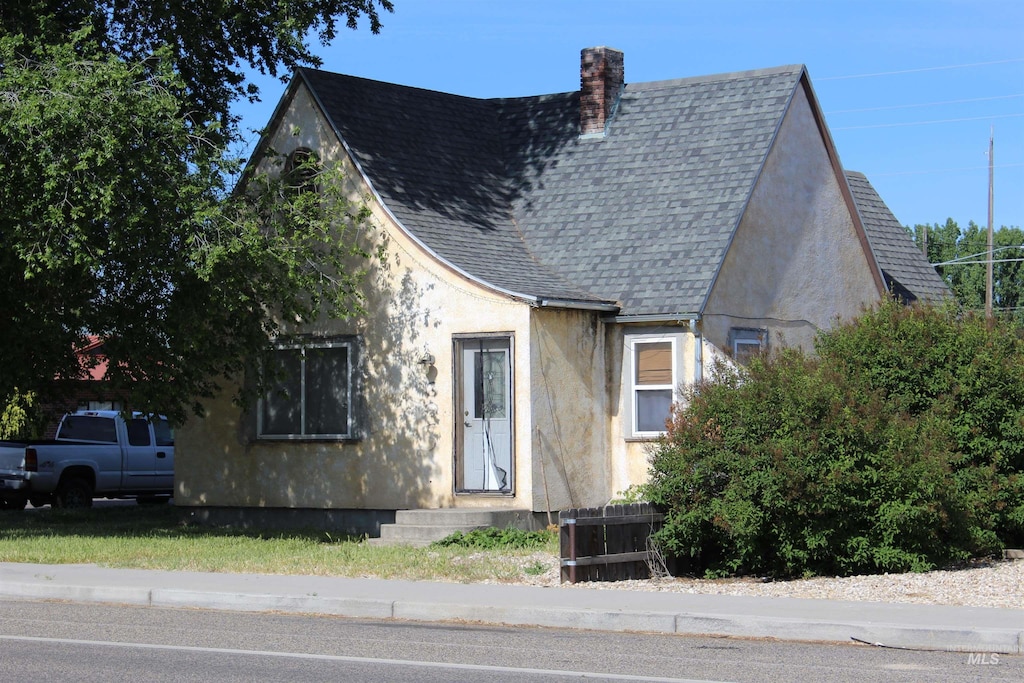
[[154, 537]]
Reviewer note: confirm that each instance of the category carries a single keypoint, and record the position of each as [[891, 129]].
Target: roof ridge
[[364, 79], [794, 69]]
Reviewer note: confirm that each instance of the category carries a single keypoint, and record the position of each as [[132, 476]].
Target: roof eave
[[579, 304], [655, 318], [275, 120]]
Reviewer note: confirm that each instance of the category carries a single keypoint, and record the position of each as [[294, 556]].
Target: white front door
[[484, 461]]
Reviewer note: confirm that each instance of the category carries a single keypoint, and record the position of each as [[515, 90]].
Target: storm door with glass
[[483, 460]]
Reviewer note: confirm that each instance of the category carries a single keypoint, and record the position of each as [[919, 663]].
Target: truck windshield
[[88, 428]]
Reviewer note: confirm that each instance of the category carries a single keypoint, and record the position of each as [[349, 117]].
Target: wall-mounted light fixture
[[427, 361]]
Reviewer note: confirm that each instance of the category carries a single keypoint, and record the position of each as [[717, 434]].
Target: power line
[[924, 104], [944, 170], [962, 260], [914, 71], [967, 263], [928, 123]]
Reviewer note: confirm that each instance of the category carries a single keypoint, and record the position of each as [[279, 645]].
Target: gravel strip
[[995, 583]]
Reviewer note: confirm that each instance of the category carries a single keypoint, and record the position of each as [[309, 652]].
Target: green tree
[[117, 214], [117, 220], [20, 418], [208, 44], [966, 278]]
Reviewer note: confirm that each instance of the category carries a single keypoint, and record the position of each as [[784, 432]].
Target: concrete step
[[416, 534], [422, 527], [471, 518]]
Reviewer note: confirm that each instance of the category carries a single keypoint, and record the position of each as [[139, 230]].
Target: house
[[557, 268], [89, 392]]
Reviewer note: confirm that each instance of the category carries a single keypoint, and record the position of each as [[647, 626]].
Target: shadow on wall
[[394, 463]]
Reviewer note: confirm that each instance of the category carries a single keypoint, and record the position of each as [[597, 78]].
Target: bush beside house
[[898, 446]]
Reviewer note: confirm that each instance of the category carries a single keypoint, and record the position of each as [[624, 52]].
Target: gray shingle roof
[[507, 191], [906, 270], [644, 215]]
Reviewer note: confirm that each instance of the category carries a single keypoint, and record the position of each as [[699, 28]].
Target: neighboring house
[[91, 392], [558, 267]]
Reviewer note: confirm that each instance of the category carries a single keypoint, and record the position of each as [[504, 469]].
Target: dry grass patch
[[155, 538]]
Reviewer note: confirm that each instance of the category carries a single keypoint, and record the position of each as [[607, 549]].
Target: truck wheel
[[73, 493]]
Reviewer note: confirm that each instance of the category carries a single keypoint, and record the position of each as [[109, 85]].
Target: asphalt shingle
[[906, 270], [507, 191]]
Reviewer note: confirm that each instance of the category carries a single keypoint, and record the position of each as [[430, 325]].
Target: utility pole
[[988, 265]]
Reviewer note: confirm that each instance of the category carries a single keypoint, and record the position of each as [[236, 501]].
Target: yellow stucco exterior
[[573, 439], [416, 308]]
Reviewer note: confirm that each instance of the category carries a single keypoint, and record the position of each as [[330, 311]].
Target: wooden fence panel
[[590, 543], [567, 544], [606, 544], [614, 537]]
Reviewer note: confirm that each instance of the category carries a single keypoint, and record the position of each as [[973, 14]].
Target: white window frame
[[632, 342], [350, 393]]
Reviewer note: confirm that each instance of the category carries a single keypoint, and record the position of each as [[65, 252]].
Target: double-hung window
[[310, 392], [653, 381]]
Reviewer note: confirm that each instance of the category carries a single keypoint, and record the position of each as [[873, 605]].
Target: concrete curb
[[872, 623]]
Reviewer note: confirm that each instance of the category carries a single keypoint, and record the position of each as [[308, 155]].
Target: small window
[[138, 432], [746, 343], [489, 381], [311, 393], [99, 405], [164, 433], [301, 168], [653, 380]]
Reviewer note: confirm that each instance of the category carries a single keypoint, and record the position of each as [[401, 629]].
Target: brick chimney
[[602, 76]]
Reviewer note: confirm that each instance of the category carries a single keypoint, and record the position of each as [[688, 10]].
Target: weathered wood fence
[[608, 543]]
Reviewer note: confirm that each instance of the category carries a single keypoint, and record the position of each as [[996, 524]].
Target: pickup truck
[[96, 454]]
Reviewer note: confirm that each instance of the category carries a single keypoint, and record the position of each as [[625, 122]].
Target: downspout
[[698, 350]]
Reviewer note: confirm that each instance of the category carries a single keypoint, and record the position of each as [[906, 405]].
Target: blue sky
[[910, 88]]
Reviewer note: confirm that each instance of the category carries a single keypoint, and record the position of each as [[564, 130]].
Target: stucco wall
[[569, 407], [629, 454], [405, 459], [796, 263]]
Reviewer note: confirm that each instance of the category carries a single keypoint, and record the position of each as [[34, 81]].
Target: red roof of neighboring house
[[97, 367]]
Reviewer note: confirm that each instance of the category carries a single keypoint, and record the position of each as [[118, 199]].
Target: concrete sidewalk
[[961, 629]]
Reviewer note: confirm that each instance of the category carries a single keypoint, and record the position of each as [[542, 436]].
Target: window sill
[[307, 439], [648, 438], [484, 493]]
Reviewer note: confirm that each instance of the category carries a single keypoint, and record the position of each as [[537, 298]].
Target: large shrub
[[898, 446]]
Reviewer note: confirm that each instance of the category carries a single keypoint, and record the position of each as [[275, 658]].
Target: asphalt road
[[49, 641]]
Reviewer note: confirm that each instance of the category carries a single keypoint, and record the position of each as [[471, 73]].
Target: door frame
[[459, 343]]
